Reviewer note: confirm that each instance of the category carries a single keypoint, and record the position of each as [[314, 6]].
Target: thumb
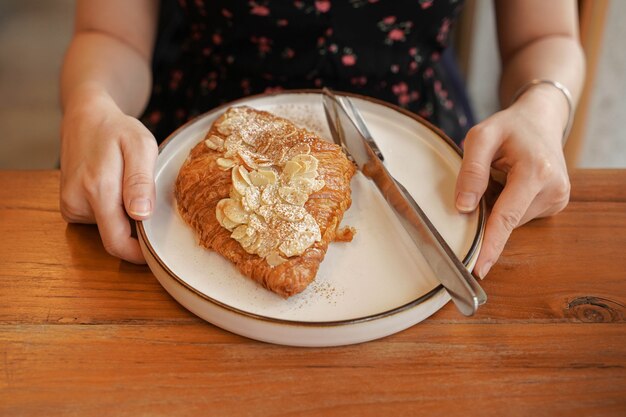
[[480, 146], [138, 188]]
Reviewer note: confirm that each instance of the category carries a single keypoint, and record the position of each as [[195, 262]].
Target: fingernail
[[466, 201], [485, 270], [140, 207]]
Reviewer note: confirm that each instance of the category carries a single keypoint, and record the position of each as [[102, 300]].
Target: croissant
[[267, 195]]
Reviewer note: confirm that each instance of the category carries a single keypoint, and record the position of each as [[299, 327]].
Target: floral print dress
[[212, 52]]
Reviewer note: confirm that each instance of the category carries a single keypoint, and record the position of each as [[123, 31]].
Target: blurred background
[[33, 38], [34, 35]]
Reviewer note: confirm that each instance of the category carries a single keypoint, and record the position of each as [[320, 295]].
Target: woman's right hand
[[107, 170]]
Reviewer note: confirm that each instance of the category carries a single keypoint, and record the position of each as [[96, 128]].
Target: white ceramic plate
[[372, 287]]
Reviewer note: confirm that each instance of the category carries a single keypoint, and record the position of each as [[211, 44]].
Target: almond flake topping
[[265, 211]]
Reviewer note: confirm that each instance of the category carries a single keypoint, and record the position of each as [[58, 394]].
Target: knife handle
[[465, 291]]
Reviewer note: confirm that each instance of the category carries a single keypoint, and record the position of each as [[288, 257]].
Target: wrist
[[549, 101], [88, 97]]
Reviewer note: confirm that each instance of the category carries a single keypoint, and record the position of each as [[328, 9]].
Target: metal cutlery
[[349, 131]]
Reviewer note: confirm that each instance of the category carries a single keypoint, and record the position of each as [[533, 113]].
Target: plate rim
[[476, 242]]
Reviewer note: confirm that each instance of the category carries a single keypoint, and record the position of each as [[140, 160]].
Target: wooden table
[[82, 333]]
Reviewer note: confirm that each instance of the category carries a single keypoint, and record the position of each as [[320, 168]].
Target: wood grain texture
[[82, 333]]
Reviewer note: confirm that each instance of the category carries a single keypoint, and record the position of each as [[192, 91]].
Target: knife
[[463, 288]]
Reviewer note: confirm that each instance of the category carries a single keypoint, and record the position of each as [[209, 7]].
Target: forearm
[[557, 58], [538, 39], [97, 63]]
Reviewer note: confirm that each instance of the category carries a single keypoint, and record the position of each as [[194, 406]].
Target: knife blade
[[463, 288], [360, 124]]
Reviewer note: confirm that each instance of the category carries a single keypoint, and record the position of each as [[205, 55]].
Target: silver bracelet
[[562, 89]]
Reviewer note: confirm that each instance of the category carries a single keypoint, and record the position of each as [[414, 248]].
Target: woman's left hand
[[525, 142]]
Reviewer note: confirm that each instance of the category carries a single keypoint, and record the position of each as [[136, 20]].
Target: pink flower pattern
[[264, 45], [396, 31], [337, 51], [348, 60], [425, 4], [444, 30], [259, 9], [318, 7], [396, 35], [322, 6]]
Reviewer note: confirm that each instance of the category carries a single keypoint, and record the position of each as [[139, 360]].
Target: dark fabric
[[211, 52]]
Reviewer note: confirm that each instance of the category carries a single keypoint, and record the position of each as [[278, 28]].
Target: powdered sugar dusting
[[307, 116]]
